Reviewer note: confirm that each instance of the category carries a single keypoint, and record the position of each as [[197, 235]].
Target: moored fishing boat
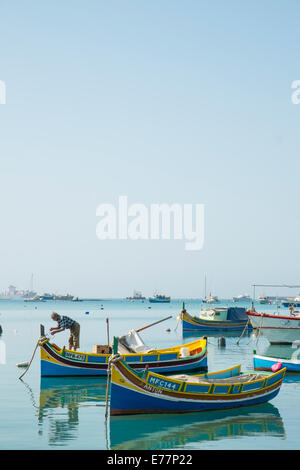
[[286, 355], [216, 319], [56, 361], [148, 392], [278, 329]]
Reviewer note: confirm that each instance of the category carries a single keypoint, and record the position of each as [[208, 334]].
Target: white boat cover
[[132, 342]]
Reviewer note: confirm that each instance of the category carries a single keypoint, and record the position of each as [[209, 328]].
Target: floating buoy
[[221, 341], [22, 364], [276, 367], [87, 313]]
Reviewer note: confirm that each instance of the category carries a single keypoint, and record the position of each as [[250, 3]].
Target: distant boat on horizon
[[45, 297], [211, 299], [291, 301], [159, 298], [137, 295], [241, 298], [264, 299]]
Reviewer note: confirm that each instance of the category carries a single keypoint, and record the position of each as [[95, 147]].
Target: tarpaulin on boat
[[237, 314], [133, 343]]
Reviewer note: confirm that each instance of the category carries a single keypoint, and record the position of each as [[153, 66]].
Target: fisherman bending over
[[64, 322]]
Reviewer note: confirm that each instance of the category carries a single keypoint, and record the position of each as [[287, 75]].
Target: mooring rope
[[248, 321], [27, 368], [259, 328]]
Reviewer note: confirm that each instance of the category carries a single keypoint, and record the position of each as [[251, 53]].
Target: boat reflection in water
[[140, 432], [60, 402], [217, 334]]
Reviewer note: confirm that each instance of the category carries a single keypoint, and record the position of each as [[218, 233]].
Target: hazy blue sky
[[162, 101]]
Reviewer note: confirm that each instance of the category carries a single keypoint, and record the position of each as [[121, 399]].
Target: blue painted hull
[[125, 400], [266, 363], [288, 304], [203, 325], [50, 369]]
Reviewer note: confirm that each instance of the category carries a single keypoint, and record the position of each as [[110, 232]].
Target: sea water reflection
[[60, 401], [176, 431]]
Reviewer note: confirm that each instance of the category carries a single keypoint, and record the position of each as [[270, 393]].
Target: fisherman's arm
[[56, 330]]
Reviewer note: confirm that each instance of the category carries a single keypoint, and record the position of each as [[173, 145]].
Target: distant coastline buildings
[[13, 293]]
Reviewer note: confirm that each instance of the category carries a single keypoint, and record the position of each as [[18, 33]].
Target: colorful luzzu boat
[[145, 392], [216, 319], [56, 361]]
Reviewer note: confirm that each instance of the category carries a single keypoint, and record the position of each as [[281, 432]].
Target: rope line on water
[[27, 368]]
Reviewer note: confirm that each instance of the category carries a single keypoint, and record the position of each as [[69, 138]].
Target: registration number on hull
[[75, 356], [157, 382]]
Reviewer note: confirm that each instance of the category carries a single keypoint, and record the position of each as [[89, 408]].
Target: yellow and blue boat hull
[[61, 362], [133, 393], [196, 324]]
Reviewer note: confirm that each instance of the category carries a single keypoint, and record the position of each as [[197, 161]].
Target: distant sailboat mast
[[205, 297]]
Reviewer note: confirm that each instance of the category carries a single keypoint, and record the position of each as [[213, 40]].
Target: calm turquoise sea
[[70, 413]]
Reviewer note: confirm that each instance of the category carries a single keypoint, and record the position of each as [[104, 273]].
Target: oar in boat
[[152, 324]]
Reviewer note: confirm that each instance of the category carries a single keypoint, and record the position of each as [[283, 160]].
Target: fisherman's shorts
[[74, 335]]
